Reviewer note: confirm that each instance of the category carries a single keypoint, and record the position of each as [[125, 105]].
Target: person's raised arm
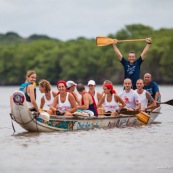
[[143, 54], [117, 51]]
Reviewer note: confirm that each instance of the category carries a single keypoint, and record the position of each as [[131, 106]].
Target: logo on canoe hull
[[18, 98]]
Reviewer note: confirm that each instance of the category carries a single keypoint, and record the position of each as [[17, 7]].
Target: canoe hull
[[32, 123]]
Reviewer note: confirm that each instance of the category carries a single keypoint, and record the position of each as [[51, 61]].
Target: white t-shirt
[[131, 98]]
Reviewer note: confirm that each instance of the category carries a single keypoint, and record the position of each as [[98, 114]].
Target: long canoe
[[32, 122]]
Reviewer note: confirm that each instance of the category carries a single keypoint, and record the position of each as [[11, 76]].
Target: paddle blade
[[170, 102], [143, 117], [103, 41]]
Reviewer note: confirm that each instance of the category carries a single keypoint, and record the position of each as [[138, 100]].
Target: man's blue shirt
[[132, 71], [152, 88]]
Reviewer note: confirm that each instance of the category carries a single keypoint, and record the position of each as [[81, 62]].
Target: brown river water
[[131, 149]]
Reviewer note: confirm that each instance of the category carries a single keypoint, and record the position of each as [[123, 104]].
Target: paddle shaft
[[122, 112], [135, 40], [169, 102]]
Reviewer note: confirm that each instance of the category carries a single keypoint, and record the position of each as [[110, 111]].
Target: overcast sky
[[70, 19]]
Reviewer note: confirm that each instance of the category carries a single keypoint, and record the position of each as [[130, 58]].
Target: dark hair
[[80, 87]]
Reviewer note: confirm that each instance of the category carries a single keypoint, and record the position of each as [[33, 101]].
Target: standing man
[[130, 97], [131, 64], [147, 101], [151, 87]]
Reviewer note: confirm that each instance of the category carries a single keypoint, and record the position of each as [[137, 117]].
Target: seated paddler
[[110, 101], [64, 103], [28, 87], [88, 104]]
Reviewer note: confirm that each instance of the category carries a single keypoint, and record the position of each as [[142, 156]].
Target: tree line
[[81, 60]]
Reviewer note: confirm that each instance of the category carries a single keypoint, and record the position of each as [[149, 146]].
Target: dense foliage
[[81, 60]]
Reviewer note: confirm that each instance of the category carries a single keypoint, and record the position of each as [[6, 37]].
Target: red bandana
[[109, 86]]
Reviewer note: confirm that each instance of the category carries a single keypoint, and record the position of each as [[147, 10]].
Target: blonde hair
[[30, 72], [46, 84], [107, 82]]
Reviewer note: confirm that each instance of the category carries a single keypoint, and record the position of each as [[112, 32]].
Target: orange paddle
[[104, 41]]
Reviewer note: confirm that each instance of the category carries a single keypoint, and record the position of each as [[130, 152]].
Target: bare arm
[[117, 51], [152, 103], [73, 103], [119, 99], [157, 96], [148, 41], [99, 96], [53, 105], [101, 101], [137, 101], [42, 103], [138, 106]]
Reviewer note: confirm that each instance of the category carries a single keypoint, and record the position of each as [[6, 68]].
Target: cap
[[91, 82], [70, 83]]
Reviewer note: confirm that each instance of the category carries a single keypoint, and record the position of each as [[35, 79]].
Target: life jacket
[[24, 85], [23, 89]]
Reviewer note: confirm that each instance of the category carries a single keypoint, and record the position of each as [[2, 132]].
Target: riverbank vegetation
[[81, 60]]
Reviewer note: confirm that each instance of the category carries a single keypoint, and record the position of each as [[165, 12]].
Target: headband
[[61, 81]]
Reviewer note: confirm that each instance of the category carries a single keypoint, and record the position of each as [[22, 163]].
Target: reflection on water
[[132, 149], [26, 134]]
